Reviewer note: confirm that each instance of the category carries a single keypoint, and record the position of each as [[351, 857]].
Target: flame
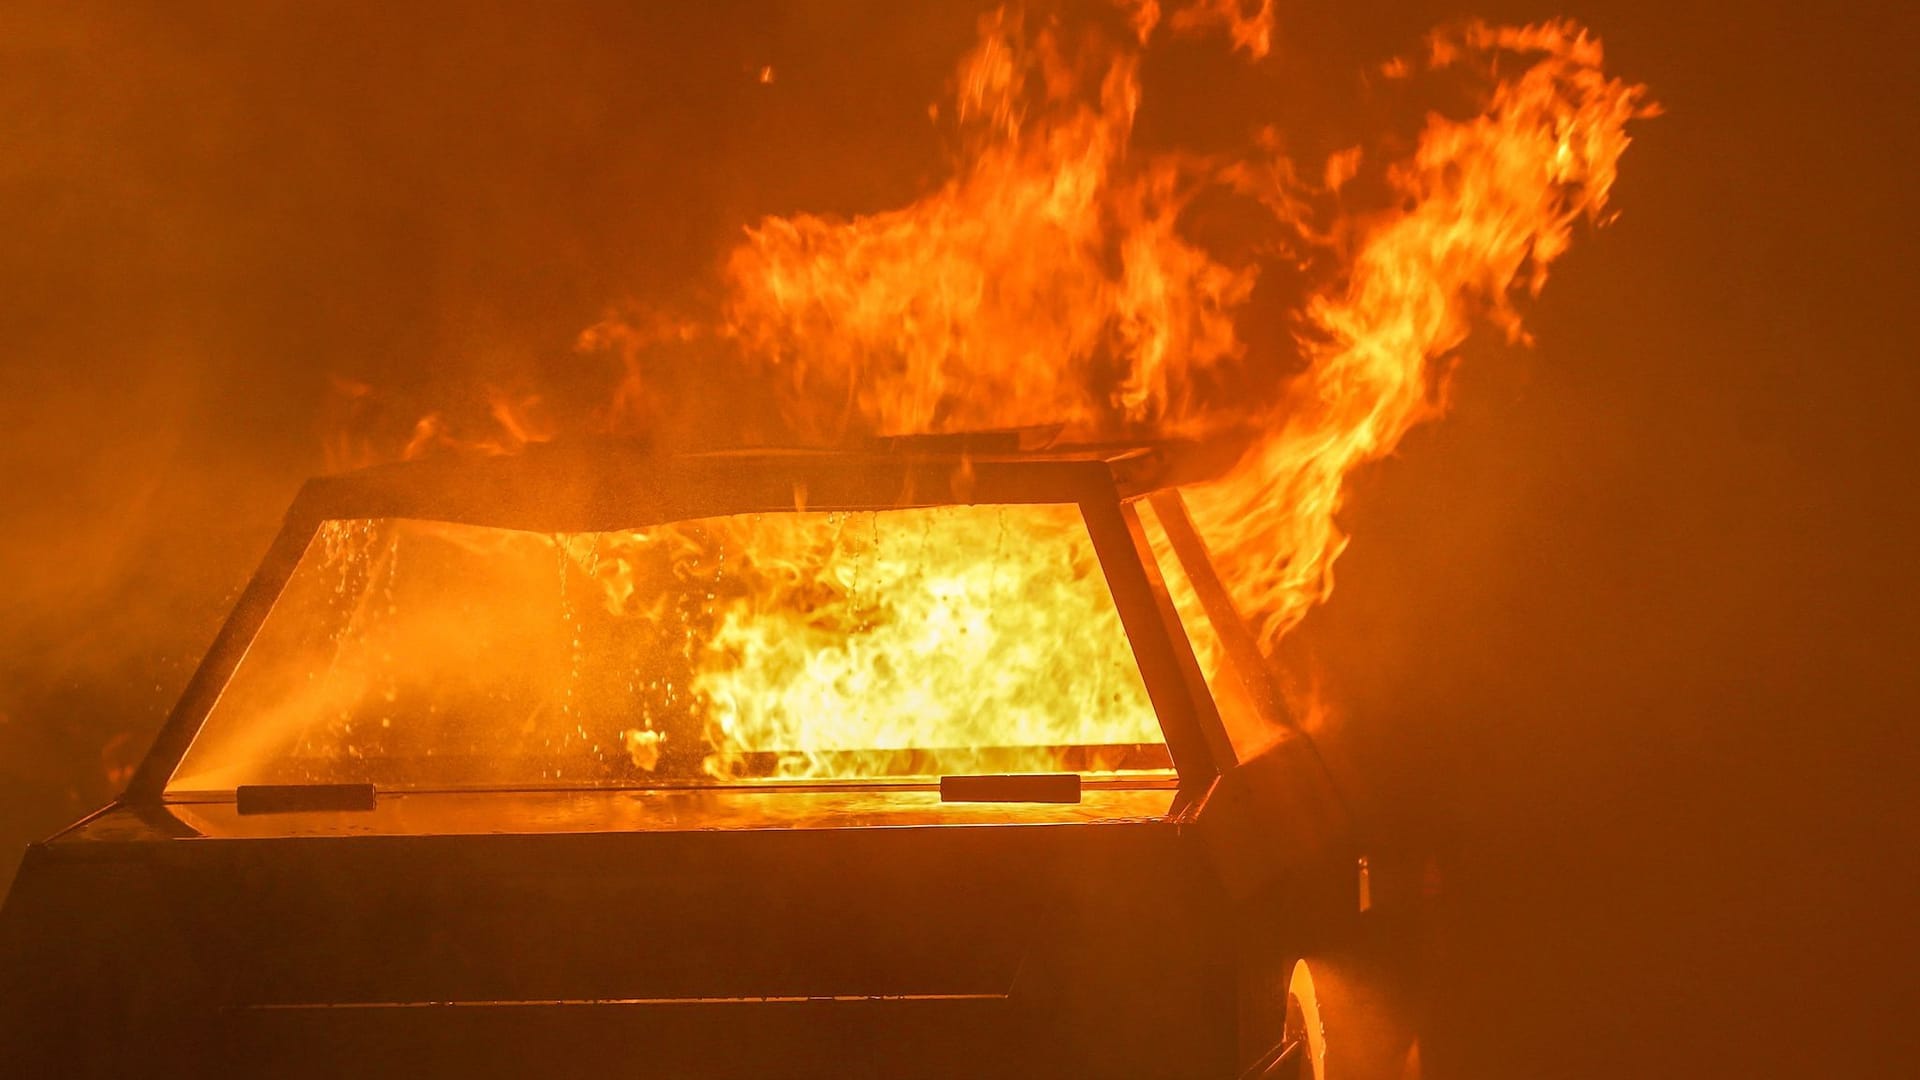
[[887, 644], [1491, 203], [995, 300], [357, 435], [1047, 281], [1050, 279], [940, 636]]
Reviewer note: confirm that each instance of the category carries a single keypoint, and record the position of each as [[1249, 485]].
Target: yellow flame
[[865, 645], [1048, 280], [982, 638]]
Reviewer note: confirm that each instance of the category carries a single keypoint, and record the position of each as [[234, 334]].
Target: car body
[[496, 895]]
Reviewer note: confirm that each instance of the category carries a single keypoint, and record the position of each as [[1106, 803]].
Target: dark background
[[1624, 645]]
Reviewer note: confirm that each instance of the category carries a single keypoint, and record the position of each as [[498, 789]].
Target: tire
[[1349, 1026]]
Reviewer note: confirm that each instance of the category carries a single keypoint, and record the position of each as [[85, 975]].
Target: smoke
[[216, 221]]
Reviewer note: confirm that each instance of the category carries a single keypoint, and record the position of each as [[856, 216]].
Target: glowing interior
[[874, 645], [1248, 730]]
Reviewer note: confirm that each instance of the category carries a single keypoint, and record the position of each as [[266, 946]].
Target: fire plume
[[1490, 202], [1045, 282], [1053, 278], [1048, 281]]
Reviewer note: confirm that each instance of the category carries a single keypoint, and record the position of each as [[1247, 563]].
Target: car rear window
[[752, 649]]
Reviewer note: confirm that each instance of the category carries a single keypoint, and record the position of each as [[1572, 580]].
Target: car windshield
[[750, 649]]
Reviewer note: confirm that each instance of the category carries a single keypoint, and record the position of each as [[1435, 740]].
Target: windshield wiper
[[1012, 787], [292, 798]]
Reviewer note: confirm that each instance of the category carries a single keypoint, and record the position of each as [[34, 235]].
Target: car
[[941, 756]]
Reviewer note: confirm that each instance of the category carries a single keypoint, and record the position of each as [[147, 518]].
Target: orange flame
[[1049, 281], [846, 645], [941, 637], [1490, 202], [1044, 283]]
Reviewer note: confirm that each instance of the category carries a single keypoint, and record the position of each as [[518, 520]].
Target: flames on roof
[[1052, 278]]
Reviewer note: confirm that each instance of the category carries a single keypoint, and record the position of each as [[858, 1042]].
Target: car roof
[[599, 485]]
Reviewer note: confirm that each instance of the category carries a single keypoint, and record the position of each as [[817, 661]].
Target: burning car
[[938, 757]]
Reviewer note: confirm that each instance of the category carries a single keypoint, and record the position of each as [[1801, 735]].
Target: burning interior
[[879, 645], [884, 648], [991, 613], [851, 659]]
